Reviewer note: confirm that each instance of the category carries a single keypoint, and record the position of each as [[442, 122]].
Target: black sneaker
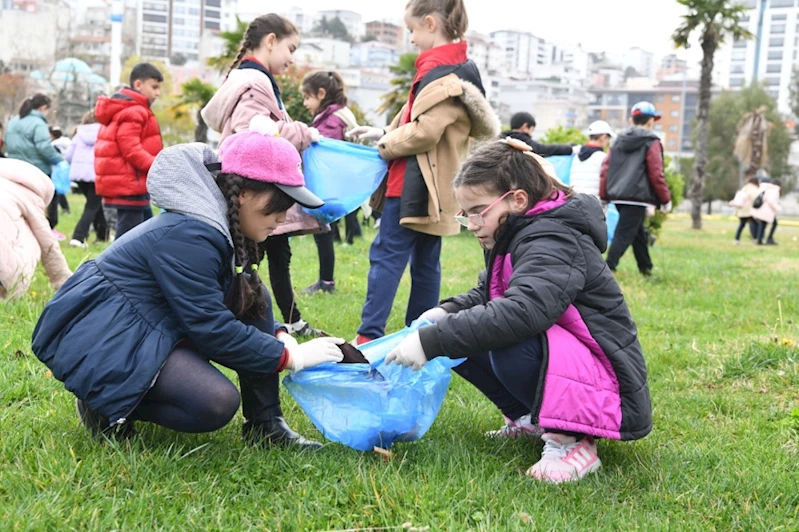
[[771, 242], [327, 287], [303, 328], [98, 425]]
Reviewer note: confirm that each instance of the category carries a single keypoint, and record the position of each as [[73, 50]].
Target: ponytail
[[333, 84], [452, 14], [34, 102]]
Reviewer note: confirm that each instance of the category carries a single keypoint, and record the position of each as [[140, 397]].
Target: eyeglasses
[[477, 219]]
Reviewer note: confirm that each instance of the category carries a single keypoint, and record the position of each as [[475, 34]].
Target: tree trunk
[[710, 207], [757, 146], [201, 131], [709, 43]]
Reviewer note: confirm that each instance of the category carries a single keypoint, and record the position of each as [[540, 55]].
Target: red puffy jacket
[[126, 147]]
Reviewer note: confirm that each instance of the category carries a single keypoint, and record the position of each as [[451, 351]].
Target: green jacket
[[28, 139]]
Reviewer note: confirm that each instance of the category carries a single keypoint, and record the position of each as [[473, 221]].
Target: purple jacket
[[80, 153], [547, 276], [331, 122]]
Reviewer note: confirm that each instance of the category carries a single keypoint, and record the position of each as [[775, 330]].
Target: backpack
[[758, 201]]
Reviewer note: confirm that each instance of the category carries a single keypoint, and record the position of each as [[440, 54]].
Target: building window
[[675, 114], [740, 44], [773, 82], [776, 42], [194, 11], [773, 17], [738, 55], [774, 94], [673, 128], [736, 82], [211, 14], [153, 18], [675, 99], [660, 98], [773, 68], [736, 69], [179, 21], [211, 25], [777, 28], [658, 127], [218, 3], [782, 3], [775, 56]]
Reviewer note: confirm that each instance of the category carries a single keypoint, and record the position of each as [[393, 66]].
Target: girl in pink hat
[[134, 332]]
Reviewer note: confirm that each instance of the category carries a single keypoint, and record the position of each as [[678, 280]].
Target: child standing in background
[[249, 90], [323, 95]]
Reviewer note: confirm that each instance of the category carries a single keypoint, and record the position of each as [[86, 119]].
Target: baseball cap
[[600, 127], [646, 109], [259, 154]]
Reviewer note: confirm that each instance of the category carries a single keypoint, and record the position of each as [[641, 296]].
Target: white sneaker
[[521, 428], [75, 243], [565, 459]]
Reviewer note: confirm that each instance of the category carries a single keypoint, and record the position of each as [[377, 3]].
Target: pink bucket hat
[[259, 154]]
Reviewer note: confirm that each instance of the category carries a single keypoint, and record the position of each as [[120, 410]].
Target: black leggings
[[327, 255], [191, 395], [743, 221], [278, 255]]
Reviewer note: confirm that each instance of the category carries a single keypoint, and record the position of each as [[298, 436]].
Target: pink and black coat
[[548, 277]]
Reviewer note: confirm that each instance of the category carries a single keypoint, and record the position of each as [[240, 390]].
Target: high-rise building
[[387, 33], [175, 27], [641, 61], [523, 51], [768, 58]]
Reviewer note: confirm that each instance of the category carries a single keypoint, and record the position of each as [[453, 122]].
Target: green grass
[[724, 453]]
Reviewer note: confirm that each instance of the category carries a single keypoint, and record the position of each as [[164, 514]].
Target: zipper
[[542, 373]]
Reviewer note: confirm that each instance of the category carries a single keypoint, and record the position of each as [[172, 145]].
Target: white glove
[[434, 314], [366, 133], [289, 341], [315, 135], [666, 208], [409, 353], [314, 352]]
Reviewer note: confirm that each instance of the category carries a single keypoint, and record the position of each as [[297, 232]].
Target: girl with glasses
[[546, 332]]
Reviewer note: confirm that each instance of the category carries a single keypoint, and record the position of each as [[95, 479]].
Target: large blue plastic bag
[[367, 406], [612, 220], [343, 175], [60, 177], [563, 167]]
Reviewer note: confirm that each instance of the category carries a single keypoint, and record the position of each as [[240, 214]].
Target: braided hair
[[260, 28], [246, 296]]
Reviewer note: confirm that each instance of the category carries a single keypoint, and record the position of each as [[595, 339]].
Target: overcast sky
[[610, 25]]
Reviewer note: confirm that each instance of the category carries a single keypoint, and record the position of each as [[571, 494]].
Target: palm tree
[[403, 71], [714, 20], [751, 145], [195, 94], [232, 40]]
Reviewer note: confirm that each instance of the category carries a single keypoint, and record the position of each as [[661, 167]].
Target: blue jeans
[[507, 377], [391, 251]]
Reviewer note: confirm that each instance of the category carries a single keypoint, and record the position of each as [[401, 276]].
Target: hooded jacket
[[449, 110], [248, 91], [25, 235], [632, 172], [546, 276], [80, 153], [128, 141], [771, 203], [335, 121], [28, 139], [109, 330]]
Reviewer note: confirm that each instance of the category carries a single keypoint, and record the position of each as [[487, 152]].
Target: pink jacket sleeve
[[254, 102]]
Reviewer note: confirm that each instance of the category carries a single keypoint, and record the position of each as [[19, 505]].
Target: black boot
[[272, 429], [264, 423], [98, 425]]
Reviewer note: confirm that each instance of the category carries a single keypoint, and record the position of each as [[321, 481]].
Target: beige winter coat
[[243, 95], [25, 235], [446, 114]]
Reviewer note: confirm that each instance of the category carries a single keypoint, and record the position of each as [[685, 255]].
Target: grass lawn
[[724, 452]]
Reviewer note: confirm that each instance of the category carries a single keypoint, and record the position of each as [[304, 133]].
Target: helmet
[[600, 127]]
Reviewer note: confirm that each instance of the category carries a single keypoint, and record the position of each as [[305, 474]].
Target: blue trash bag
[[612, 220], [367, 406], [343, 175], [563, 166], [60, 177]]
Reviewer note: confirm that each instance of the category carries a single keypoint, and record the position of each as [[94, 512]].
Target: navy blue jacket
[[109, 329]]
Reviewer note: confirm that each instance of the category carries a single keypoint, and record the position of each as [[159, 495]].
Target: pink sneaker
[[565, 459], [58, 236], [521, 428]]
